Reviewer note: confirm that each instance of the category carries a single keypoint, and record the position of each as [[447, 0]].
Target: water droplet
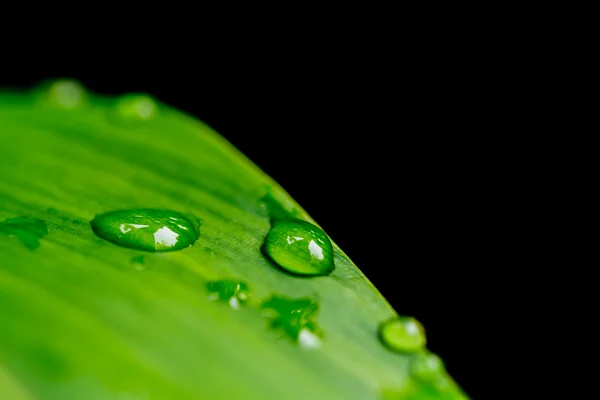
[[234, 293], [403, 334], [278, 205], [427, 379], [28, 230], [139, 259], [64, 93], [135, 107], [299, 247], [443, 383], [139, 262], [147, 229], [426, 367], [296, 318]]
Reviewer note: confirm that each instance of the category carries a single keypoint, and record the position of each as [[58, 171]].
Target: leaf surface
[[81, 317]]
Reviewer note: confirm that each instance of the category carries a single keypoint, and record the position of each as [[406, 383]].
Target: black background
[[398, 169]]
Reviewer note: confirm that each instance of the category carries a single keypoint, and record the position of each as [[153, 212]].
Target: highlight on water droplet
[[135, 107], [150, 229], [296, 318], [28, 230], [64, 93], [403, 334], [233, 292], [308, 340], [299, 247]]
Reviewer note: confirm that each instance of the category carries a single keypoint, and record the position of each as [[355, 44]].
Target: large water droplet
[[147, 229], [299, 247], [296, 318], [64, 93], [28, 230], [234, 293], [403, 334]]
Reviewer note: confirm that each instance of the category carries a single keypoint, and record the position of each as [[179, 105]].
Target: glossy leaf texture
[[82, 317]]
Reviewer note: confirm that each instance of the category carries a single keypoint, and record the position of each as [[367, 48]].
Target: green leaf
[[11, 388], [82, 317]]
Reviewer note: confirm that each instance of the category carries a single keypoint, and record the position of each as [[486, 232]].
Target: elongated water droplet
[[296, 318], [135, 107], [28, 230], [147, 229], [64, 93], [233, 292], [403, 334], [299, 247]]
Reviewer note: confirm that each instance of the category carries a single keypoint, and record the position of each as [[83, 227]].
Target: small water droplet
[[296, 318], [147, 229], [277, 205], [428, 378], [233, 292], [443, 383], [64, 93], [135, 107], [299, 247], [28, 230], [403, 334], [426, 366], [139, 262]]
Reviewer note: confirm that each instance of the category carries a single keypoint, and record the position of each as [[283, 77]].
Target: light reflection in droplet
[[165, 238]]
